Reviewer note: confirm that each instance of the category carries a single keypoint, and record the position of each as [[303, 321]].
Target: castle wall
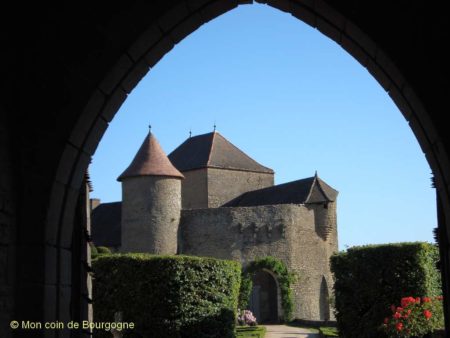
[[292, 233], [150, 214], [194, 189], [225, 184]]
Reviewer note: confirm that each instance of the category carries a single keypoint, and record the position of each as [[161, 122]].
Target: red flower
[[407, 300], [439, 298], [386, 320], [427, 314], [426, 299], [417, 299], [399, 326], [397, 315]]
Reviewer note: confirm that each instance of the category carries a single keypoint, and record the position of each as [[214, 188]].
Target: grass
[[250, 331], [329, 331]]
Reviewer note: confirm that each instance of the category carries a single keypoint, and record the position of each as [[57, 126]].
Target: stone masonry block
[[400, 102], [330, 14], [216, 8], [186, 27], [116, 74], [379, 74], [134, 76], [303, 13], [328, 30], [66, 227], [54, 213], [304, 3], [282, 5], [66, 163], [175, 15], [421, 113], [80, 170], [65, 293], [361, 38], [390, 68], [420, 134], [158, 51], [87, 117], [95, 135], [444, 164], [195, 5], [150, 36], [355, 50], [65, 267], [113, 104]]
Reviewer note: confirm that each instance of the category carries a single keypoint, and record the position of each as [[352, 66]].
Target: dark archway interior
[[264, 297], [68, 67]]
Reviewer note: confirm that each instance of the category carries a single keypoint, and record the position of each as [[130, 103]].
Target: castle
[[208, 198]]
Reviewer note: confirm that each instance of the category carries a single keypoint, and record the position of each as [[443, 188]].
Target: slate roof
[[212, 150], [150, 160], [106, 224], [307, 190]]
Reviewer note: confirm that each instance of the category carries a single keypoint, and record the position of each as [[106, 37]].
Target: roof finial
[[315, 175], [150, 129], [215, 126], [190, 133]]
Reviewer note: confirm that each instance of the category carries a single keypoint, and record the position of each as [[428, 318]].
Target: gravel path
[[283, 331]]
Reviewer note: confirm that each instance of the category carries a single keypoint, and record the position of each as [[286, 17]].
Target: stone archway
[[85, 62], [265, 297]]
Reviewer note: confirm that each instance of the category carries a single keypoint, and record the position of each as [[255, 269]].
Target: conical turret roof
[[150, 160]]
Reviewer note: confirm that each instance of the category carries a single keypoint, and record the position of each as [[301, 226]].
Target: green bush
[[103, 250], [245, 291], [284, 277], [94, 252], [369, 279], [167, 296]]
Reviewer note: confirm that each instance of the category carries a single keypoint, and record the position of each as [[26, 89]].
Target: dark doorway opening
[[264, 298]]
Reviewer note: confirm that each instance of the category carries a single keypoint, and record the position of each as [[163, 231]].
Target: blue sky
[[294, 101]]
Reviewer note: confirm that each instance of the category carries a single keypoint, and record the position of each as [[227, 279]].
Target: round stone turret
[[151, 201]]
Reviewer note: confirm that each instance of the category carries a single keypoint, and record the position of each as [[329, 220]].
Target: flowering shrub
[[246, 317], [415, 317]]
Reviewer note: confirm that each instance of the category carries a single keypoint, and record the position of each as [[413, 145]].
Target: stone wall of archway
[[67, 69]]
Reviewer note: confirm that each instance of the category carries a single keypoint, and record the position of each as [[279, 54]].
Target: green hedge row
[[167, 296], [369, 279]]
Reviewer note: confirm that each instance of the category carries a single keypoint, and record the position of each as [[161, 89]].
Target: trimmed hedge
[[103, 250], [368, 279], [167, 296], [284, 278]]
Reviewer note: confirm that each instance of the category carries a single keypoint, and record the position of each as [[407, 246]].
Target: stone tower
[[216, 171], [151, 201]]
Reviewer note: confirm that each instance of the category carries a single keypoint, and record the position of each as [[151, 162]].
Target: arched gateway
[[264, 298]]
